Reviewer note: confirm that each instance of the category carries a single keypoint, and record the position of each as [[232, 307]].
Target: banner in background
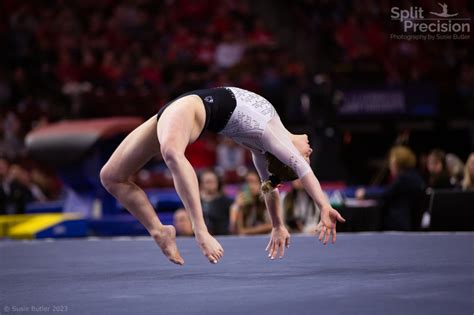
[[413, 100]]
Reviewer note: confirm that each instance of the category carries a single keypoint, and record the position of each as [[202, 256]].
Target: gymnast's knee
[[109, 178], [171, 155]]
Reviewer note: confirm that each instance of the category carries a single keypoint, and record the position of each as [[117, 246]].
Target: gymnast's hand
[[210, 246], [279, 239], [327, 225]]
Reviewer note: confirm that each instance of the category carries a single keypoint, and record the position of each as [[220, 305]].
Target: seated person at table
[[455, 168], [468, 181], [248, 213], [401, 199], [215, 204], [300, 213], [438, 175]]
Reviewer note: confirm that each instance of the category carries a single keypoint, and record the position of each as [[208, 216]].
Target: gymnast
[[248, 119]]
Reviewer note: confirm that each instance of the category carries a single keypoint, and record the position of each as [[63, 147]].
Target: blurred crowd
[[84, 58], [21, 185], [353, 41], [79, 59]]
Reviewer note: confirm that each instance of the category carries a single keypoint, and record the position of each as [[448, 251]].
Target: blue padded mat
[[362, 274]]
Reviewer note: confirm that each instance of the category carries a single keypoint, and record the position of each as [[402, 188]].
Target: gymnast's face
[[301, 142]]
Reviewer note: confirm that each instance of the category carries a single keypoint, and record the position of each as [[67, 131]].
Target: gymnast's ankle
[[160, 232]]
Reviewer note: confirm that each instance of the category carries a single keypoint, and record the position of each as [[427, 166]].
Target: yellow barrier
[[7, 221], [26, 226]]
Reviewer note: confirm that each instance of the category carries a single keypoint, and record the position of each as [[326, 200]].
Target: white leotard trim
[[256, 125]]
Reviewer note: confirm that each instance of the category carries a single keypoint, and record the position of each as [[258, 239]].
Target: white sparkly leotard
[[256, 125]]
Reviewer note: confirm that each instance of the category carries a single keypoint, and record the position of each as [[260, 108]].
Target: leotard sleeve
[[261, 165], [276, 140]]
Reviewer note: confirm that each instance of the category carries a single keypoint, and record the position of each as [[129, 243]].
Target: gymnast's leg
[[177, 128], [137, 149]]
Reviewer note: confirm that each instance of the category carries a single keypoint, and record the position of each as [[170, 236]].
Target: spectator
[[229, 52], [468, 181], [47, 185], [89, 68], [300, 212], [222, 21], [401, 200], [4, 187], [230, 156], [249, 215], [67, 71], [12, 145], [22, 189], [182, 223], [5, 89], [205, 51], [215, 204], [260, 35], [149, 73], [110, 69], [438, 176], [455, 168]]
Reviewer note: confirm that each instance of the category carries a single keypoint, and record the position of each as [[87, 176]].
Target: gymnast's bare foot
[[210, 246], [166, 239]]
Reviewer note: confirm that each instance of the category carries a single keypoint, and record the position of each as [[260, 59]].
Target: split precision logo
[[414, 20]]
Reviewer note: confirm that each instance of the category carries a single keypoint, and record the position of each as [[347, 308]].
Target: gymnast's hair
[[279, 172]]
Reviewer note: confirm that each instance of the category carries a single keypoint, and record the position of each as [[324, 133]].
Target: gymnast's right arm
[[280, 237]]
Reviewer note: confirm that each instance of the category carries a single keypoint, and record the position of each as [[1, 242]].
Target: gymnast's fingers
[[334, 236], [269, 245], [274, 250], [282, 249], [326, 237], [321, 233], [270, 248]]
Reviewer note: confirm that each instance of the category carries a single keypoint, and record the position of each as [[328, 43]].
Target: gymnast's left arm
[[281, 146], [280, 237], [329, 216]]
